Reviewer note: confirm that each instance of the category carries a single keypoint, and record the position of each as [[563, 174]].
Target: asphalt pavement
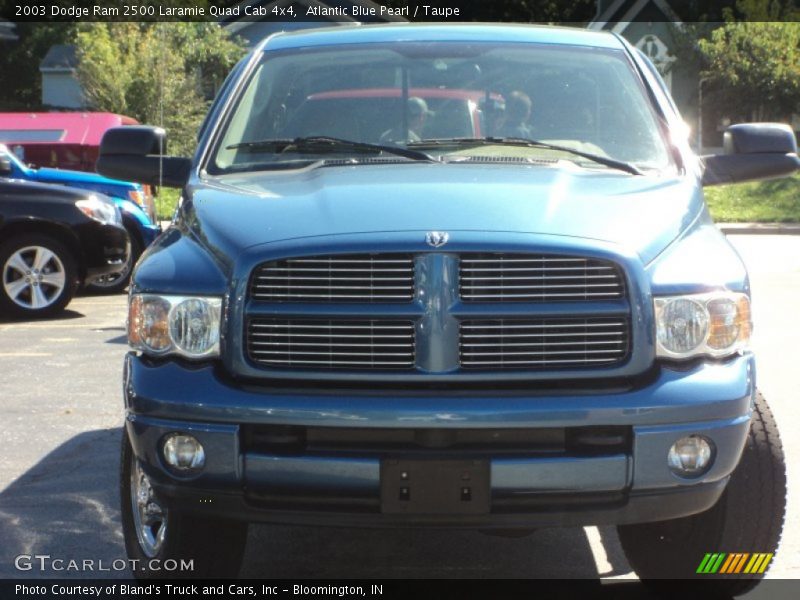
[[61, 409]]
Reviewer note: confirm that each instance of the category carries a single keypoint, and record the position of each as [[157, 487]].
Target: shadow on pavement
[[67, 506], [64, 315]]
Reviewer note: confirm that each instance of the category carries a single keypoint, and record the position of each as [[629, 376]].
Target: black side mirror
[[137, 153], [753, 151], [5, 167]]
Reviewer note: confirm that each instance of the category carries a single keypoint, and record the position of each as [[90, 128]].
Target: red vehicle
[[65, 140], [367, 114]]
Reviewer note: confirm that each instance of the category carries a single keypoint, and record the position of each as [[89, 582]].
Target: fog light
[[690, 456], [183, 453]]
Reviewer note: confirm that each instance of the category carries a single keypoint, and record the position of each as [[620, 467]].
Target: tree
[[158, 73], [753, 69], [20, 79], [521, 11]]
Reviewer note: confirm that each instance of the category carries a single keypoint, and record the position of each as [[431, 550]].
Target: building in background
[[60, 86], [8, 31]]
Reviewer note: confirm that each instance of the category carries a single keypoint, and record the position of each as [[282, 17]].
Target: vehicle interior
[[589, 100]]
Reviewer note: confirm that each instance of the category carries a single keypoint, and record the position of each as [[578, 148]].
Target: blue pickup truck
[[535, 326], [132, 199]]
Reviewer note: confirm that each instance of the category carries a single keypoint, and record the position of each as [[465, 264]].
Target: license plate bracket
[[436, 487]]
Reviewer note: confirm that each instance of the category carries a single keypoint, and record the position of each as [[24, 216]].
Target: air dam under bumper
[[634, 484]]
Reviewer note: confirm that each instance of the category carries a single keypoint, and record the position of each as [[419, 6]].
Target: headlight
[[137, 197], [184, 325], [99, 210], [144, 199], [715, 324]]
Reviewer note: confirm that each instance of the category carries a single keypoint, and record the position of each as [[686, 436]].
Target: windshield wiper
[[322, 144], [524, 142]]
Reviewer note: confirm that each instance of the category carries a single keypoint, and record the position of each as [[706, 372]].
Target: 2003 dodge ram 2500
[[368, 316]]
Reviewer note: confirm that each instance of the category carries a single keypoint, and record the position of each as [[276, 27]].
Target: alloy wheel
[[34, 277]]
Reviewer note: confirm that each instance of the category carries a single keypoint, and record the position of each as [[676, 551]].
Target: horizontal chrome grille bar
[[532, 278], [533, 363], [315, 344], [343, 260], [541, 278], [468, 269], [514, 325], [549, 344], [301, 326], [336, 270], [315, 278], [340, 363], [540, 296], [516, 260]]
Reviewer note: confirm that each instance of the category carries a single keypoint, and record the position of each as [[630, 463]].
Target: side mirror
[[5, 167], [136, 153], [753, 151]]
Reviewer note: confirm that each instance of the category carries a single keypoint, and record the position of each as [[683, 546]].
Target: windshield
[[449, 99]]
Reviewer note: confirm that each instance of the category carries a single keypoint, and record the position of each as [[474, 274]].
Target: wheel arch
[[133, 229]]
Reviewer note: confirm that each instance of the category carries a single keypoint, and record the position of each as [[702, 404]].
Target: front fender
[[177, 264]]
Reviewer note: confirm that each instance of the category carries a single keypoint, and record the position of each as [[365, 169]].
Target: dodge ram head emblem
[[437, 238]]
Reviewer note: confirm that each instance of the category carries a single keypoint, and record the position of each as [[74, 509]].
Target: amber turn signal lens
[[148, 323], [729, 322]]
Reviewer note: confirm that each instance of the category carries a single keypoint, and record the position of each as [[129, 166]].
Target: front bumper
[[105, 248], [528, 488]]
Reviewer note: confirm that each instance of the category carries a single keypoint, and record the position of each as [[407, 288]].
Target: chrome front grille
[[538, 278], [447, 314], [345, 278], [331, 343], [552, 343]]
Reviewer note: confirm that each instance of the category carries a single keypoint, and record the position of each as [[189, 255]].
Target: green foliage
[[158, 73], [166, 203], [20, 79], [767, 10], [519, 11], [754, 69]]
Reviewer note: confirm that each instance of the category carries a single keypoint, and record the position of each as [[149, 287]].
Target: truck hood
[[642, 214]]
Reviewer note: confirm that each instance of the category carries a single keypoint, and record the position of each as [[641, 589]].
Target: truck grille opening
[[538, 278], [346, 278], [536, 344], [332, 344]]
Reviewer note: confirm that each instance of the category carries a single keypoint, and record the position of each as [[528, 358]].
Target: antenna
[[161, 109]]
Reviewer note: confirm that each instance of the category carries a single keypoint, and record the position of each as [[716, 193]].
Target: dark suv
[[535, 325], [52, 240]]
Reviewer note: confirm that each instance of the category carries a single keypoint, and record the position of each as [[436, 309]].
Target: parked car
[[133, 200], [54, 239], [481, 332]]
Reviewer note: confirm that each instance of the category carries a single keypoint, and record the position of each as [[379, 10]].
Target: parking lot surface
[[61, 409]]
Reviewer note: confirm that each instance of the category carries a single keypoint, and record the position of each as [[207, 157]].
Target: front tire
[[38, 276], [154, 534], [747, 519]]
